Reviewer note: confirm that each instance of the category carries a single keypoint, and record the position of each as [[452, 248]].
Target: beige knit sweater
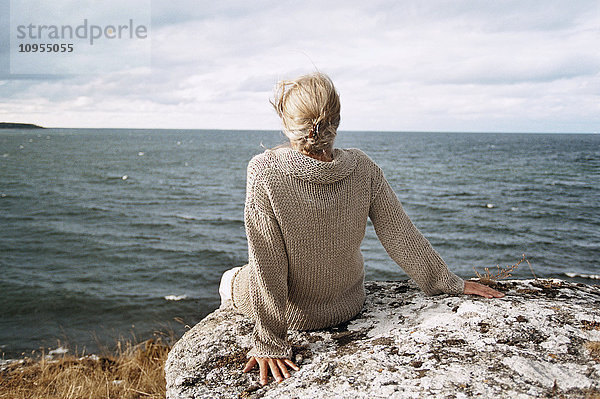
[[305, 220]]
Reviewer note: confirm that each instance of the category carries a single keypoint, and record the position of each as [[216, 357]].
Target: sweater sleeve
[[267, 275], [407, 246]]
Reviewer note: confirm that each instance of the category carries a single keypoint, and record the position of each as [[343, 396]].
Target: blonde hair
[[309, 108]]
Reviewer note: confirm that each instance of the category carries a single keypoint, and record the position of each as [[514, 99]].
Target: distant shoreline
[[12, 125]]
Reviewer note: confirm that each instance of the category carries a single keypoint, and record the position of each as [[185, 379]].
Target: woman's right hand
[[277, 367], [473, 288]]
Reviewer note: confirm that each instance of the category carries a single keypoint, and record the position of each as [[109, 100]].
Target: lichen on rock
[[541, 339]]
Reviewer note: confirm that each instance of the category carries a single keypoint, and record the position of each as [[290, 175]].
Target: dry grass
[[133, 371], [594, 348], [592, 394], [489, 277]]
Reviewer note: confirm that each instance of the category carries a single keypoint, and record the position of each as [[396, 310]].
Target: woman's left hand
[[276, 366], [473, 288]]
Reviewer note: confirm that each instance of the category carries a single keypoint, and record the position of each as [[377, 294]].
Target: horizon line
[[341, 130]]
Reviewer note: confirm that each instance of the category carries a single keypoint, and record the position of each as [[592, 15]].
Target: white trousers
[[225, 286]]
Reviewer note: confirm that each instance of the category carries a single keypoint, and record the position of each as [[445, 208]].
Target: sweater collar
[[294, 163]]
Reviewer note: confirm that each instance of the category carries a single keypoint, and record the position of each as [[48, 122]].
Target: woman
[[306, 213]]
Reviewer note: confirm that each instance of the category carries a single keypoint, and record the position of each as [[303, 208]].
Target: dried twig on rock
[[503, 272]]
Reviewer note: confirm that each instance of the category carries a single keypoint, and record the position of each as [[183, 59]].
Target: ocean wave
[[175, 297], [215, 221], [187, 217], [58, 351], [571, 183], [581, 275]]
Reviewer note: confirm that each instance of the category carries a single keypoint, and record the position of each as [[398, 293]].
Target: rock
[[541, 339], [12, 125]]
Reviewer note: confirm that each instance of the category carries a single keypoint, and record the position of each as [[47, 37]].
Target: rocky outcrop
[[11, 125], [541, 339]]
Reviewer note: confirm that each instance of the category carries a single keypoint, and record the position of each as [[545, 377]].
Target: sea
[[112, 234]]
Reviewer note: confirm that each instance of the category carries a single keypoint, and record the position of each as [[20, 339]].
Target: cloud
[[407, 65]]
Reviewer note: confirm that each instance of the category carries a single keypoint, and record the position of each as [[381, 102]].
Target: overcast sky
[[516, 66]]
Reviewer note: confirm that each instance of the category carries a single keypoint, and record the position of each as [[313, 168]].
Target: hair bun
[[309, 108]]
